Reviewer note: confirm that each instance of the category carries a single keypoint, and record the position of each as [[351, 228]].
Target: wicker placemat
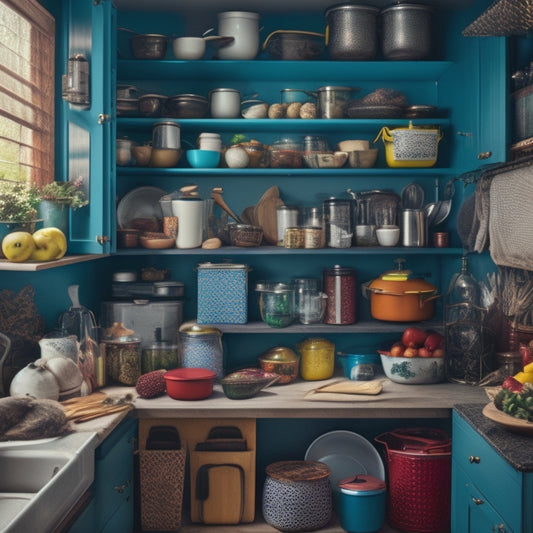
[[503, 18]]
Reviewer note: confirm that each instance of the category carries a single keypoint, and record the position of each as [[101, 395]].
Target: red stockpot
[[395, 297]]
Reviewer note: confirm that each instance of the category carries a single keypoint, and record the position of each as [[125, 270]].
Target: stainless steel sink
[[41, 480]]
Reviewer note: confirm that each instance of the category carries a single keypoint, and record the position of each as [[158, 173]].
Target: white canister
[[209, 141], [225, 103], [190, 212], [244, 27]]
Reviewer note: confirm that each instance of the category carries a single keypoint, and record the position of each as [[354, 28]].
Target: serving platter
[[142, 202], [507, 421]]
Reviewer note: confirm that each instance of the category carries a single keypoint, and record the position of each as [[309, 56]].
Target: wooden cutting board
[[265, 214], [248, 215]]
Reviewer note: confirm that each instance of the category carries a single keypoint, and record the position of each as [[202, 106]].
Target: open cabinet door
[[85, 132]]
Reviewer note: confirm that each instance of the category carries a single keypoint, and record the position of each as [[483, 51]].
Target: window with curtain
[[26, 92]]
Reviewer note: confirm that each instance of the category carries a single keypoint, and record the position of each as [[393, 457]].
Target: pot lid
[[279, 353], [315, 344], [197, 330], [190, 374], [362, 483], [298, 470]]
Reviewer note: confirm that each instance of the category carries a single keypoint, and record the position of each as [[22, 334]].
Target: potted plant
[[56, 198]]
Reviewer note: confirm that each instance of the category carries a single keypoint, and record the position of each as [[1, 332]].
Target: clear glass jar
[[277, 304], [469, 341]]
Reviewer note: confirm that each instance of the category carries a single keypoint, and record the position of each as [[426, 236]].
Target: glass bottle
[[469, 341]]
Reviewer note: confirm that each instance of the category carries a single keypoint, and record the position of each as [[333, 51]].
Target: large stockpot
[[406, 32], [351, 32], [396, 297]]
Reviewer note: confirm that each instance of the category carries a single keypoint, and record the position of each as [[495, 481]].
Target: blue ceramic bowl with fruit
[[413, 370]]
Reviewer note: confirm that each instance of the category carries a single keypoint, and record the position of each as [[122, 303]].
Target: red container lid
[[190, 374], [361, 483]]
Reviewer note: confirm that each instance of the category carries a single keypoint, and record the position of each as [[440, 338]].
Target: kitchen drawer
[[497, 479]]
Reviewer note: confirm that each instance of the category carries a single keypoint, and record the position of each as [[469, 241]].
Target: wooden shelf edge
[[35, 267]]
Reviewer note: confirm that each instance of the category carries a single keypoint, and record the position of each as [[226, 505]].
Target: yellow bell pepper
[[528, 368], [524, 377]]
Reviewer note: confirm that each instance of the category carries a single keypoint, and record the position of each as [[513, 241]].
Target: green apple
[[50, 244], [18, 246]]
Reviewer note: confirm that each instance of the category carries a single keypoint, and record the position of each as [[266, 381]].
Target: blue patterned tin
[[222, 293], [201, 347]]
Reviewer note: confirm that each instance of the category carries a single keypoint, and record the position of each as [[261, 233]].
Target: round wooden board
[[507, 421]]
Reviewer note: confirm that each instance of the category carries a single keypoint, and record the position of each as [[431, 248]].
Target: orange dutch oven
[[397, 297]]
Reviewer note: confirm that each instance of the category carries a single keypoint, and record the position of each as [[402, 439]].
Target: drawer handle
[[478, 501], [122, 488], [474, 459]]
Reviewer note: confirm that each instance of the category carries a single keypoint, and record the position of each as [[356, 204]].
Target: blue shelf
[[267, 70], [277, 125], [278, 250]]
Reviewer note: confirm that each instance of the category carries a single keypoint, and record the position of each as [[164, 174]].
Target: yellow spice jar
[[317, 359]]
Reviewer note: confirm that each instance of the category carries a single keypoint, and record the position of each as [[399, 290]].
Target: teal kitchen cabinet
[[492, 475], [111, 508]]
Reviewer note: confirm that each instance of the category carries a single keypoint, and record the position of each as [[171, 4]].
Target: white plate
[[346, 453], [142, 202]]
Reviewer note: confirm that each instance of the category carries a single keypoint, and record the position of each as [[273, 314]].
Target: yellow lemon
[[50, 244], [18, 246]]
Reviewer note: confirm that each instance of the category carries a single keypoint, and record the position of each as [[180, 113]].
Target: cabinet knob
[[122, 488], [103, 117], [500, 528], [474, 459], [478, 501]]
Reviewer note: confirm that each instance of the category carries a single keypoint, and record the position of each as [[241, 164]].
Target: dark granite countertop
[[515, 448]]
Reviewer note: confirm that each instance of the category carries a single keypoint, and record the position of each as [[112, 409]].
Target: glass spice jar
[[122, 354], [339, 284]]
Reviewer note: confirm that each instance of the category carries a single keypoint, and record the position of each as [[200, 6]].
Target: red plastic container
[[419, 479], [189, 383]]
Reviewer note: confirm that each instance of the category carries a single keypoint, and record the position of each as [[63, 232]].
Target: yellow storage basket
[[411, 146]]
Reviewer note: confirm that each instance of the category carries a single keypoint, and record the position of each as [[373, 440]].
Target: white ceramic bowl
[[413, 370], [350, 145], [388, 235], [188, 48]]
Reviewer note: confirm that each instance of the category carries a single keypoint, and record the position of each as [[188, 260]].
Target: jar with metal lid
[[338, 222], [339, 284], [509, 363], [166, 135], [121, 350], [287, 217], [297, 495], [277, 303], [201, 347], [317, 359]]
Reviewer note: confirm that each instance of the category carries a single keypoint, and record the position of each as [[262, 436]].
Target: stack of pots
[[352, 32]]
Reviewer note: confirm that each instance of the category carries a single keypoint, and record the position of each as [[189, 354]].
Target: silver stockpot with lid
[[351, 32]]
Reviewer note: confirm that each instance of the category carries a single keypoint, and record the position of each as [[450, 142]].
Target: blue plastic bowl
[[359, 365], [203, 158]]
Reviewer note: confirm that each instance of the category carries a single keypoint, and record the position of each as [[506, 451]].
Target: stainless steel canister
[[406, 32], [332, 101], [166, 135], [414, 228], [351, 32]]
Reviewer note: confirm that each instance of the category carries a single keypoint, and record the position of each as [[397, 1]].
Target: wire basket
[[419, 479], [503, 18]]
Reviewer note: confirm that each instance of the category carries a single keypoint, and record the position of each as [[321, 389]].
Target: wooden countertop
[[288, 401]]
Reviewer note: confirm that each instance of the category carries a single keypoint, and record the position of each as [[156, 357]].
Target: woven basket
[[419, 479], [161, 486], [503, 18]]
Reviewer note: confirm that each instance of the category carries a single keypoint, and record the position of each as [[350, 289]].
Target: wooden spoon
[[216, 194]]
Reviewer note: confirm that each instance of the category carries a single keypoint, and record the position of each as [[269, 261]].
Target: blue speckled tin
[[222, 293]]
